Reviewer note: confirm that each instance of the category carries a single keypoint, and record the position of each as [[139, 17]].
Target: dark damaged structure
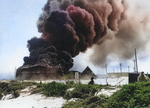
[[39, 72]]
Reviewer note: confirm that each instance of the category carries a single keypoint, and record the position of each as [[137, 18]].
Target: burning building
[[39, 72], [69, 27]]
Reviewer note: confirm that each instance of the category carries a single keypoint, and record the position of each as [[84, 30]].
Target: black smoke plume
[[69, 27]]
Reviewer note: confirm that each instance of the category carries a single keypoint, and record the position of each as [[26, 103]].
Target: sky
[[18, 24]]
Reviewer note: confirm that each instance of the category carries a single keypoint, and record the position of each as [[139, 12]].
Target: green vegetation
[[13, 87], [1, 95], [54, 89], [38, 89], [82, 91], [71, 84], [89, 102], [134, 95], [16, 94]]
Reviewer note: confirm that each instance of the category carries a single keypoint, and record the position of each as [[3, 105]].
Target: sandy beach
[[27, 100], [33, 101]]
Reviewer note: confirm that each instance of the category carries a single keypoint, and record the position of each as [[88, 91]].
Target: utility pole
[[114, 70], [134, 65], [136, 62], [106, 68], [106, 74], [120, 67], [128, 69]]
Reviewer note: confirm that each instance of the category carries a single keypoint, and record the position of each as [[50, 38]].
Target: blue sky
[[18, 24]]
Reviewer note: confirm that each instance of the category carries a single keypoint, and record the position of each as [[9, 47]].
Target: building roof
[[88, 73], [38, 65]]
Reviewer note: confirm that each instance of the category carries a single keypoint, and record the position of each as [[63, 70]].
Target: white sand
[[33, 101], [26, 100]]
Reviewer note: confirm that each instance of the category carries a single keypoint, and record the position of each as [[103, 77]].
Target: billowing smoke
[[127, 30], [69, 27]]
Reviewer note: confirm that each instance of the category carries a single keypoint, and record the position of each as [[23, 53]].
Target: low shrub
[[54, 89], [82, 91], [16, 94], [89, 102], [1, 95], [13, 87], [134, 95], [70, 84], [37, 90]]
